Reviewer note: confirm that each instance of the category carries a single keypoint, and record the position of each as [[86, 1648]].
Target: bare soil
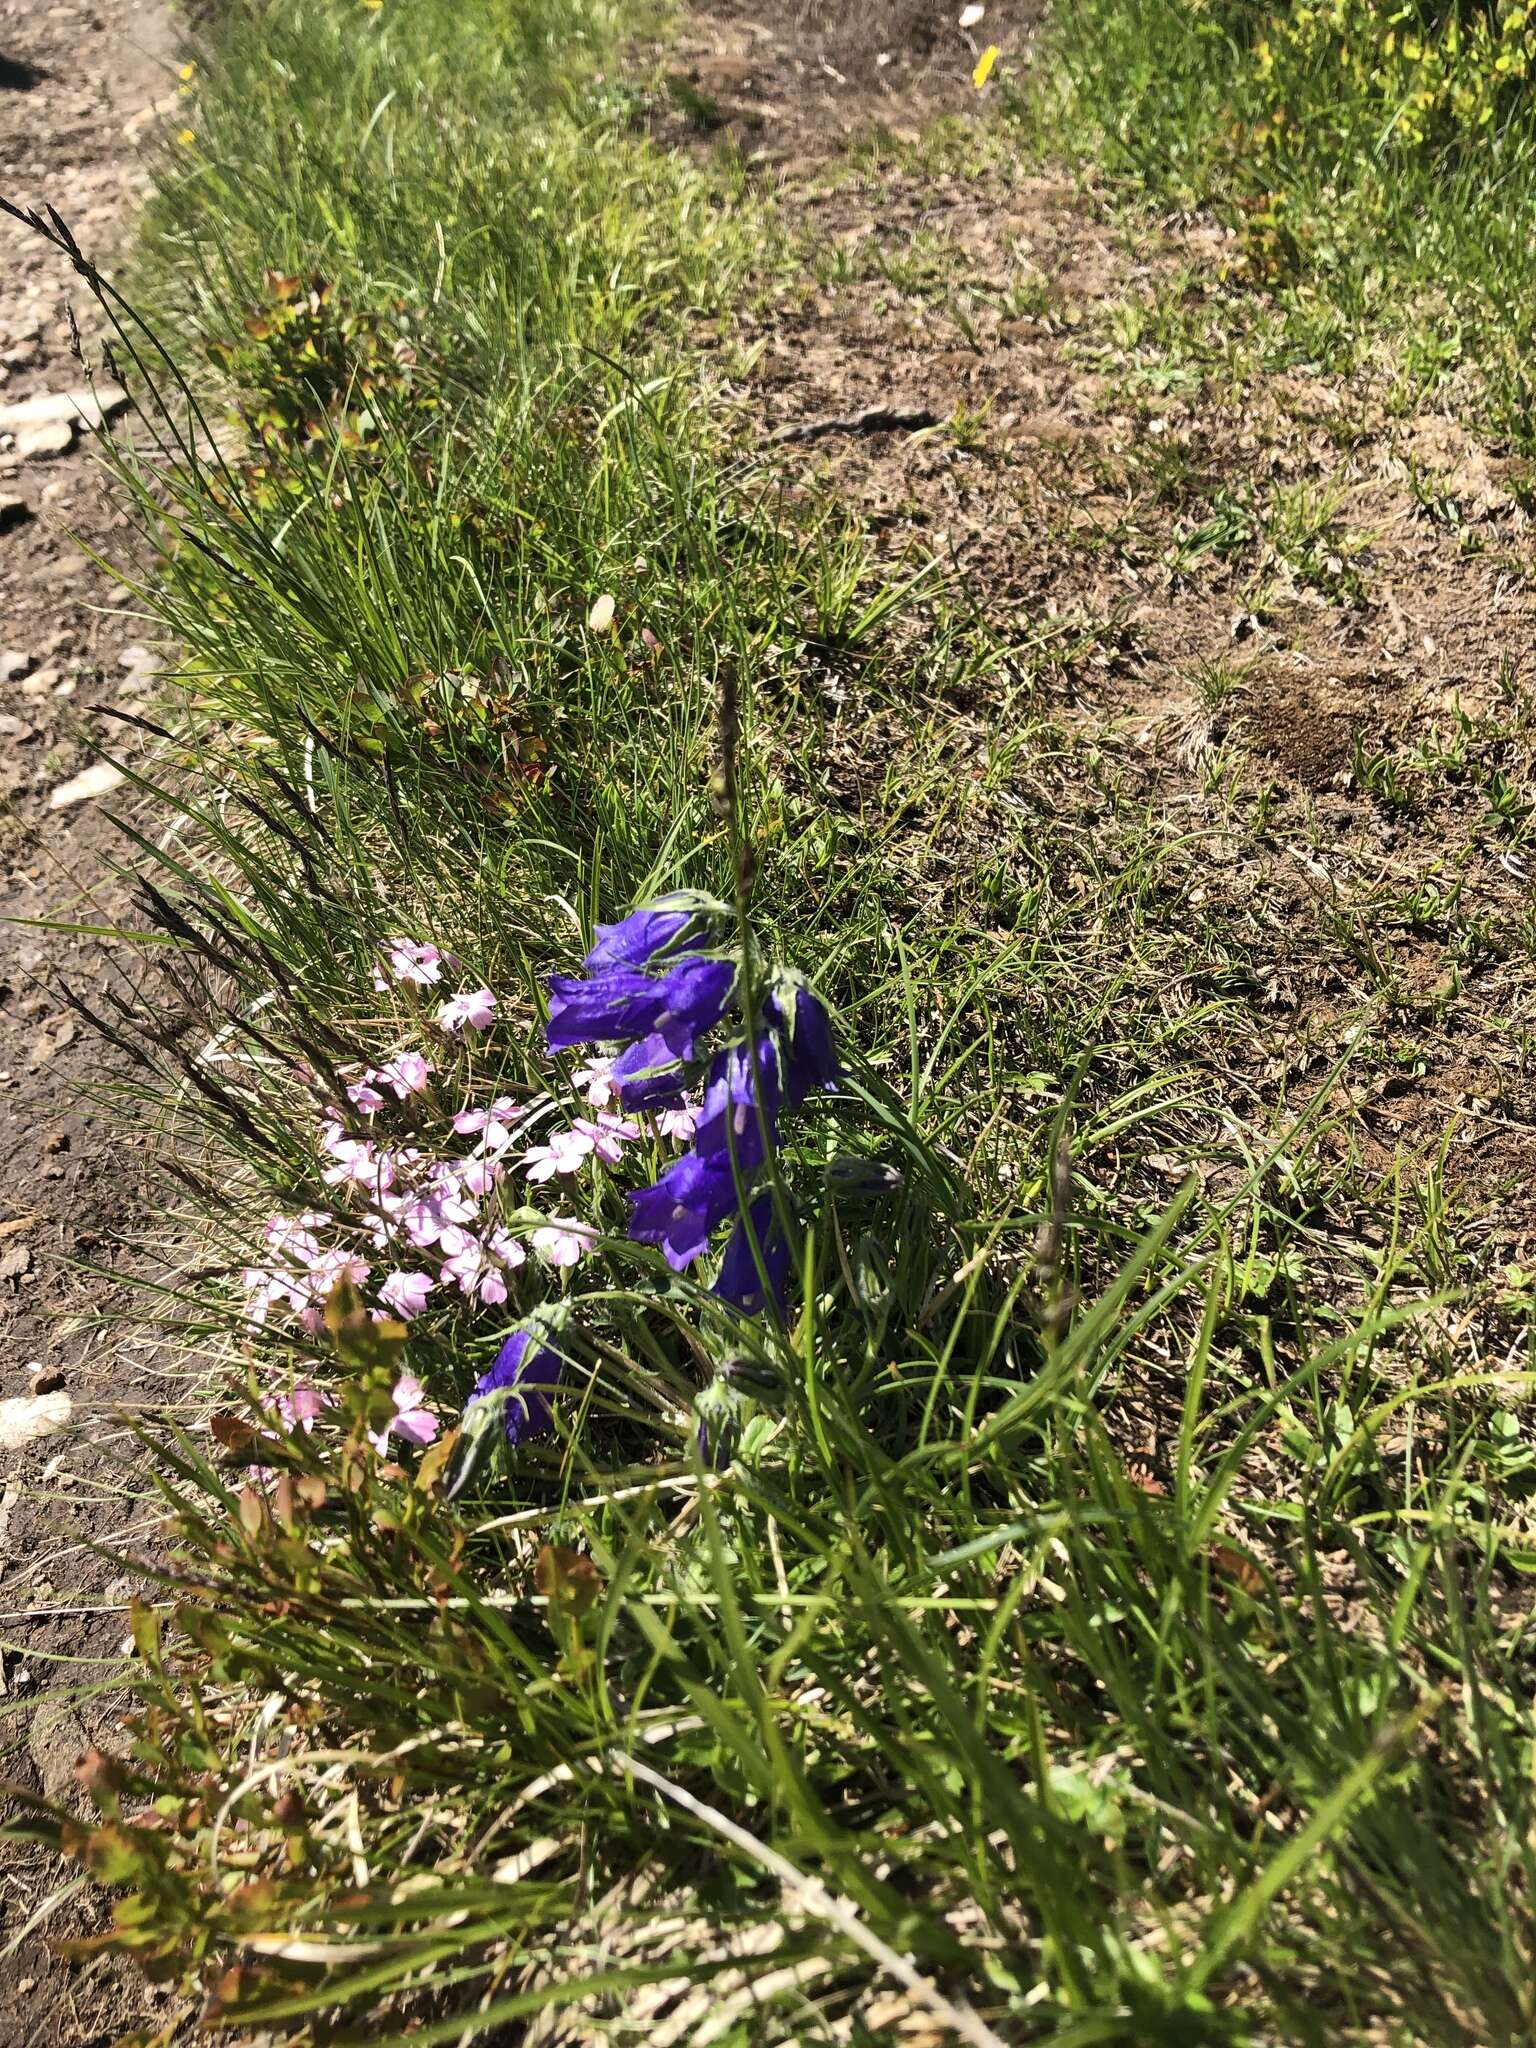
[[1079, 456], [80, 82]]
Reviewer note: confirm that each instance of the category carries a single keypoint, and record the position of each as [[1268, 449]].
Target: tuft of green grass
[[1379, 170]]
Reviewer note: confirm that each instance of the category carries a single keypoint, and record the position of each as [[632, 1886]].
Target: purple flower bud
[[528, 1367], [805, 1037]]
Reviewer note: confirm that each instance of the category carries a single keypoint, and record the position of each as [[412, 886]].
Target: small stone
[[14, 511], [90, 782], [140, 662], [13, 662], [12, 728], [48, 437], [40, 684], [55, 408]]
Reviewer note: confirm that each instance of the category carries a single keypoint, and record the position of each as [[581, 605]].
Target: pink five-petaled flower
[[356, 1160], [476, 1176], [491, 1285], [608, 1135], [593, 1083], [678, 1123], [412, 1418], [409, 961], [476, 1268], [475, 1007], [263, 1291], [463, 1257], [334, 1266], [563, 1240], [566, 1152], [364, 1096], [504, 1246], [294, 1236], [407, 1073], [496, 1126], [431, 1219], [406, 1293], [470, 1272], [300, 1408]]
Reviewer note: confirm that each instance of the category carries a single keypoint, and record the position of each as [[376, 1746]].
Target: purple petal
[[739, 1281], [528, 1367], [729, 1113], [620, 1003], [650, 1074], [683, 1207], [636, 939]]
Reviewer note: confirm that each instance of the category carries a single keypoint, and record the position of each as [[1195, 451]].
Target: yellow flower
[[983, 69], [187, 137], [187, 73]]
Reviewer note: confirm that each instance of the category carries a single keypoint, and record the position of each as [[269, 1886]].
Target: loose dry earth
[[79, 84], [1281, 623]]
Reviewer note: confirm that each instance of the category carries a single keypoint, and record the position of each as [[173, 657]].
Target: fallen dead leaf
[[30, 1416], [88, 783], [12, 1224]]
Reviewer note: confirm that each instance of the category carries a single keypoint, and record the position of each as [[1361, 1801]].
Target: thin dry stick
[[813, 1895]]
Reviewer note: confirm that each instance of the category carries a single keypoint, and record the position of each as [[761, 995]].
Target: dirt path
[[79, 83]]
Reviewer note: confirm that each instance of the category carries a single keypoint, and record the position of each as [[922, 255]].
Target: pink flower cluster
[[301, 1407], [422, 1216], [301, 1272], [429, 1211], [410, 962]]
